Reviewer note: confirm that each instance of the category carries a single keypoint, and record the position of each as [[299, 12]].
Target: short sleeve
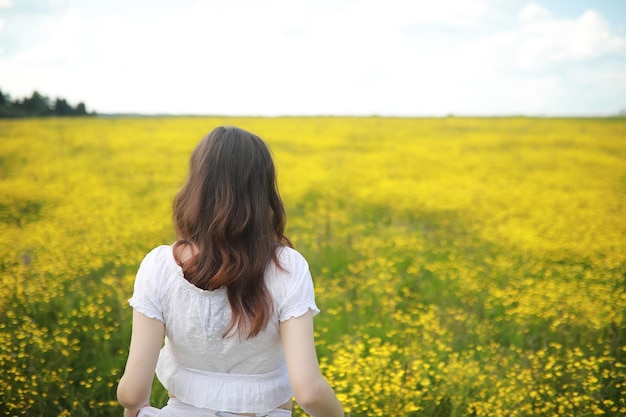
[[148, 287], [298, 295]]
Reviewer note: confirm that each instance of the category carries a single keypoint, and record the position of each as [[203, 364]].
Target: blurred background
[[300, 57]]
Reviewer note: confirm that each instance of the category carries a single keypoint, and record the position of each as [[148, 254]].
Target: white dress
[[197, 364]]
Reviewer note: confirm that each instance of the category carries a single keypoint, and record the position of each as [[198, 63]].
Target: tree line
[[38, 105]]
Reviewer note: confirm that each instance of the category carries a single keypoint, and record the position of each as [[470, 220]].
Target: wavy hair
[[230, 210]]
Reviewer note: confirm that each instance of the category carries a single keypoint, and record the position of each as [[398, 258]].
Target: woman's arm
[[133, 390], [310, 389]]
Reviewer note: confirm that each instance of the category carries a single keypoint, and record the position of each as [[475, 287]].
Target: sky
[[324, 57]]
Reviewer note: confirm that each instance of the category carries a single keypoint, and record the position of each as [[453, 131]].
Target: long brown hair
[[231, 211]]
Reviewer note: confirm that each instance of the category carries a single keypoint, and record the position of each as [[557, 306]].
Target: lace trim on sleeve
[[146, 309], [298, 310]]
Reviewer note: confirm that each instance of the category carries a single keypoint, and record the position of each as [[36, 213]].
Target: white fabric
[[148, 412], [176, 408], [200, 367]]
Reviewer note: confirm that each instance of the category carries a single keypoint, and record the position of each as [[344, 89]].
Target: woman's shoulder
[[292, 285], [290, 257], [160, 255], [292, 268], [159, 263]]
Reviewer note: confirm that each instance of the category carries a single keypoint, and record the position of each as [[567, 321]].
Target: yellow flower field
[[464, 267]]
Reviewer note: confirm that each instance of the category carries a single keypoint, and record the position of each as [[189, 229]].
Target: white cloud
[[543, 65], [5, 4], [401, 13], [57, 47], [533, 12], [542, 39], [297, 57]]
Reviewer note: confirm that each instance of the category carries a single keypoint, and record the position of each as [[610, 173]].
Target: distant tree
[[4, 105], [37, 105], [62, 108], [80, 110], [14, 109]]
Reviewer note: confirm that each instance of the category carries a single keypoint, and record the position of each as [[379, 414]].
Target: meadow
[[464, 267]]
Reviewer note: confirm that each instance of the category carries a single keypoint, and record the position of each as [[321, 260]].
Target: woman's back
[[233, 301], [196, 319]]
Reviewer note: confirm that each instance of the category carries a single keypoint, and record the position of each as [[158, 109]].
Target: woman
[[232, 299]]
